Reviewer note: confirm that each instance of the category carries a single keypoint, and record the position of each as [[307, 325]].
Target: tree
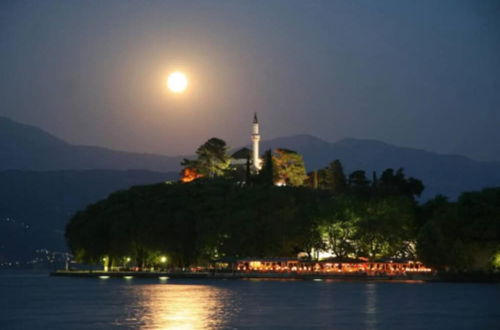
[[315, 182], [340, 225], [391, 184], [386, 228], [335, 179], [289, 168], [359, 184], [357, 179], [213, 159], [462, 236], [266, 174]]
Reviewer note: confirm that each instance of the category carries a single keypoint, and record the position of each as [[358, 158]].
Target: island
[[238, 215]]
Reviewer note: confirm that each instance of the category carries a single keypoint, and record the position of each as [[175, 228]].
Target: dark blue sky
[[423, 74]]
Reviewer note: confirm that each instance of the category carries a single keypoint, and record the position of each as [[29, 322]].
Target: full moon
[[177, 82]]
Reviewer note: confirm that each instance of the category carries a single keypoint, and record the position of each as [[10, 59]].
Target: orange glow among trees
[[189, 174]]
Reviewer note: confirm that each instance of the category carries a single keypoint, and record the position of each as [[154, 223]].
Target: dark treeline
[[207, 219], [227, 212], [195, 222]]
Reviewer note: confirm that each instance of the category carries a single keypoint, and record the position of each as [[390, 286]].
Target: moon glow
[[177, 82]]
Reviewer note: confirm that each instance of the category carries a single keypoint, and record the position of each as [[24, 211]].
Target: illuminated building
[[256, 161], [245, 157]]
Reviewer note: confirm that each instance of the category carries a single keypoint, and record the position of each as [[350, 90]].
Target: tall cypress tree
[[335, 177], [266, 174], [374, 179], [315, 179], [248, 174]]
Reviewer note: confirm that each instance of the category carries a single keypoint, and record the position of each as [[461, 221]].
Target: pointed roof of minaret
[[255, 121]]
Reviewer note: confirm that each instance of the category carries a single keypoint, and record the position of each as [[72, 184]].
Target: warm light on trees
[[189, 174], [289, 168]]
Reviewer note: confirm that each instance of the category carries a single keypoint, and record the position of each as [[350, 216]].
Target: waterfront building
[[359, 266]]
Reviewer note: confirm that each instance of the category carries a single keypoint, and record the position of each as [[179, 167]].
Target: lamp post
[[163, 260], [126, 262], [105, 262]]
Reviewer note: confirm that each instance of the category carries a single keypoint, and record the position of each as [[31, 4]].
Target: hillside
[[35, 206], [24, 147], [29, 148], [442, 174]]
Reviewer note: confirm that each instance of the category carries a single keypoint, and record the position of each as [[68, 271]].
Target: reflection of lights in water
[[103, 277], [371, 306], [163, 278], [175, 306], [128, 277]]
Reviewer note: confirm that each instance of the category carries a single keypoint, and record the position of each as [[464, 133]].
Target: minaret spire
[[255, 144]]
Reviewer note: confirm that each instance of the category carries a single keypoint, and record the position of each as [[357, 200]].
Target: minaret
[[255, 144]]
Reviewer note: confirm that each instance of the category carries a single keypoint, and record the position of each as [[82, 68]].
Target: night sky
[[423, 74]]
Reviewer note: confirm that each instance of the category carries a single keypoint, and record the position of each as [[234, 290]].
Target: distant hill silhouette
[[29, 148], [25, 147], [35, 206], [442, 174]]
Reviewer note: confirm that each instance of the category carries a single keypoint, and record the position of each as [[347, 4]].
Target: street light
[[163, 260], [127, 260], [105, 261]]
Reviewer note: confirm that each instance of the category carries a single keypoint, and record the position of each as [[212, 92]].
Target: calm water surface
[[36, 301]]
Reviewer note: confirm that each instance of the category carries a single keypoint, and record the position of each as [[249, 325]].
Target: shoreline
[[243, 275], [445, 277]]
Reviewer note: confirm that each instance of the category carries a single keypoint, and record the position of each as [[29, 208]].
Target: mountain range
[[44, 180], [24, 147], [448, 175]]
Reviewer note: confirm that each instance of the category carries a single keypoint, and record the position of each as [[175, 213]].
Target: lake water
[[37, 301]]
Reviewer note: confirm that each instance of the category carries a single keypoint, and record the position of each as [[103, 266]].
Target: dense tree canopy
[[464, 235], [222, 215], [194, 222]]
